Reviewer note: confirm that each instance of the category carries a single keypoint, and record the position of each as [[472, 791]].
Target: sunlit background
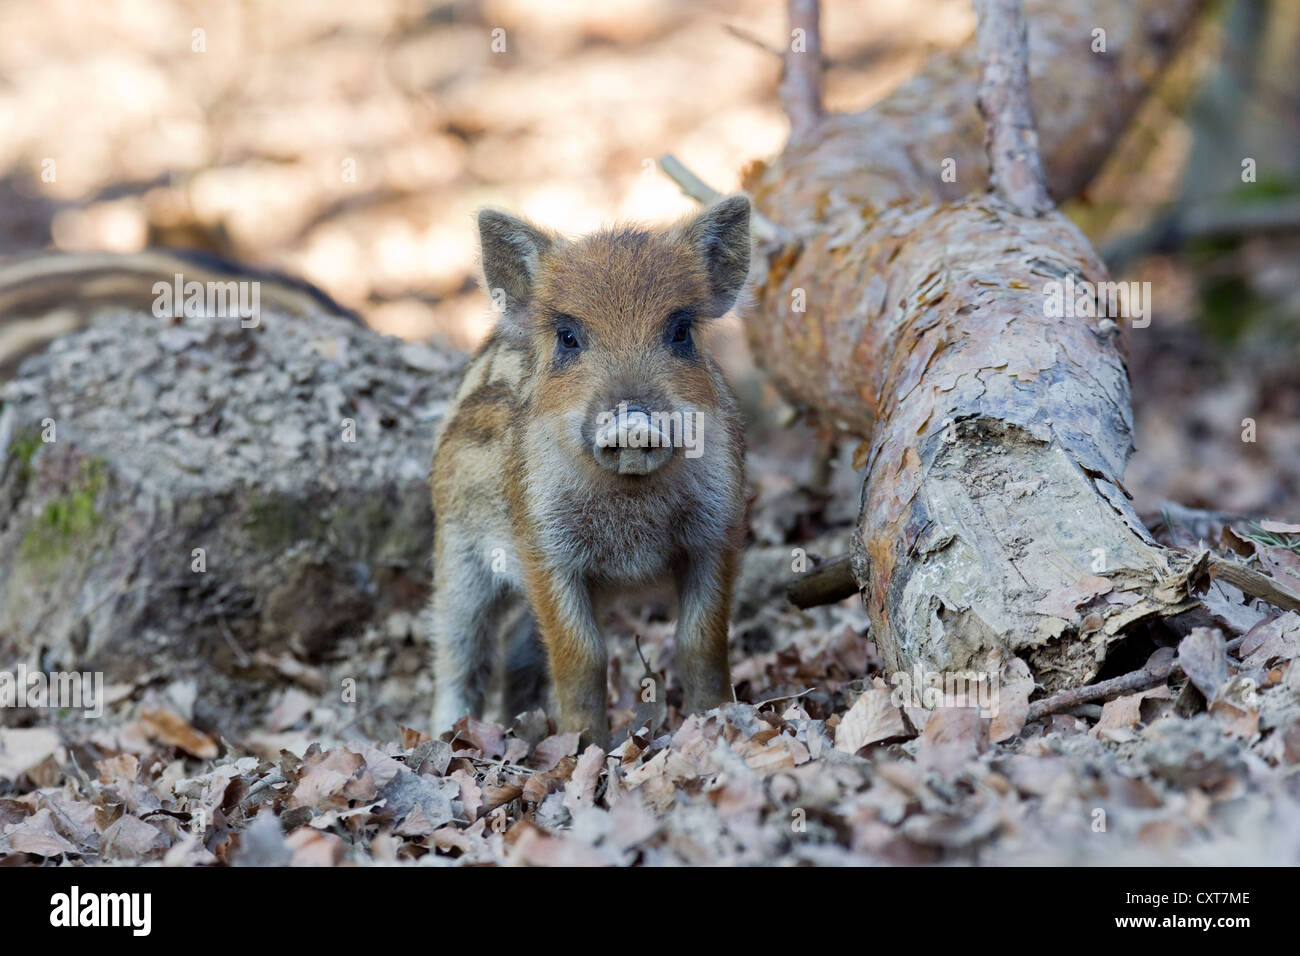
[[350, 143]]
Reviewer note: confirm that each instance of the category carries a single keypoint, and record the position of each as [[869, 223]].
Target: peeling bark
[[852, 170], [992, 515]]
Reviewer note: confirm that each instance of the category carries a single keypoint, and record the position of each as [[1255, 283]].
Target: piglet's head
[[623, 380]]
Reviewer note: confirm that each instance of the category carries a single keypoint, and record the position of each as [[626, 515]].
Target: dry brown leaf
[[1124, 713], [451, 838], [130, 838], [1280, 527], [1062, 600], [471, 795], [487, 738], [413, 738], [314, 848], [539, 785], [872, 718], [1204, 659], [23, 748], [580, 790], [495, 795], [1284, 565], [1240, 722], [535, 848], [292, 706], [37, 835], [952, 737], [323, 781], [418, 823], [422, 802], [1236, 707], [120, 767], [550, 751], [174, 730], [1277, 639], [1012, 708]]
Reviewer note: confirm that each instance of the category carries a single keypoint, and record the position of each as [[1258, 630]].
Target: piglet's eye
[[679, 328], [567, 339]]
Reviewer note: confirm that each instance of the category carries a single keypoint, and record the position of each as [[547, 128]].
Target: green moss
[[276, 523], [23, 447], [1229, 308], [65, 520], [1267, 188]]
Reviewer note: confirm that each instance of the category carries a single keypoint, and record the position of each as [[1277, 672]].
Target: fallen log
[[922, 146], [919, 313], [180, 493]]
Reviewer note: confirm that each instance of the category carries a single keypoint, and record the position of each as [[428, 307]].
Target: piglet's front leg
[[704, 586], [574, 648]]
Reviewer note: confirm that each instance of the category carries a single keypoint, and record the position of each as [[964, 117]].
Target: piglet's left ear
[[720, 235]]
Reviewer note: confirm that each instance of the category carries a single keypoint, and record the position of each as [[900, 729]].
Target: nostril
[[629, 441]]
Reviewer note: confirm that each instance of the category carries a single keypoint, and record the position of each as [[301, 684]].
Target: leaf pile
[[1185, 772]]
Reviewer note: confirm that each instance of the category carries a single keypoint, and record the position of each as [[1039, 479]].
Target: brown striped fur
[[526, 510]]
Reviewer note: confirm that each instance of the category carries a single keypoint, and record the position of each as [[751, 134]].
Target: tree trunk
[[993, 519]]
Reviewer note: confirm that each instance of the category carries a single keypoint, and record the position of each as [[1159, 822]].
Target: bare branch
[[1012, 143], [1255, 584], [687, 181], [765, 230], [830, 582], [753, 40], [1159, 668], [801, 83], [744, 36]]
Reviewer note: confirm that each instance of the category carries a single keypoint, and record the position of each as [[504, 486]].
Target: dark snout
[[629, 440]]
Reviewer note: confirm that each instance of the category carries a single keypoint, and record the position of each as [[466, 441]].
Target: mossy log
[[178, 494]]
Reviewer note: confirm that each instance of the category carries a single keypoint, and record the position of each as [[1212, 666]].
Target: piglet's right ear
[[512, 252], [720, 236]]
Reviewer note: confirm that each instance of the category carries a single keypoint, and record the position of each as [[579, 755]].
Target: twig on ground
[[639, 653], [772, 700], [827, 583], [1158, 669], [1255, 584], [273, 779]]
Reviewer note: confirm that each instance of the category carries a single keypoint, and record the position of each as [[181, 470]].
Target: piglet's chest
[[621, 537]]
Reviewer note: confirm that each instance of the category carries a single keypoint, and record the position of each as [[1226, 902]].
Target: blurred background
[[350, 143]]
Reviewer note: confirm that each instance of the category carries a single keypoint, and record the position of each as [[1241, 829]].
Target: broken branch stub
[[801, 78], [1015, 169]]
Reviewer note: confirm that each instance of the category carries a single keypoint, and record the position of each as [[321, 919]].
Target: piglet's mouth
[[628, 440]]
